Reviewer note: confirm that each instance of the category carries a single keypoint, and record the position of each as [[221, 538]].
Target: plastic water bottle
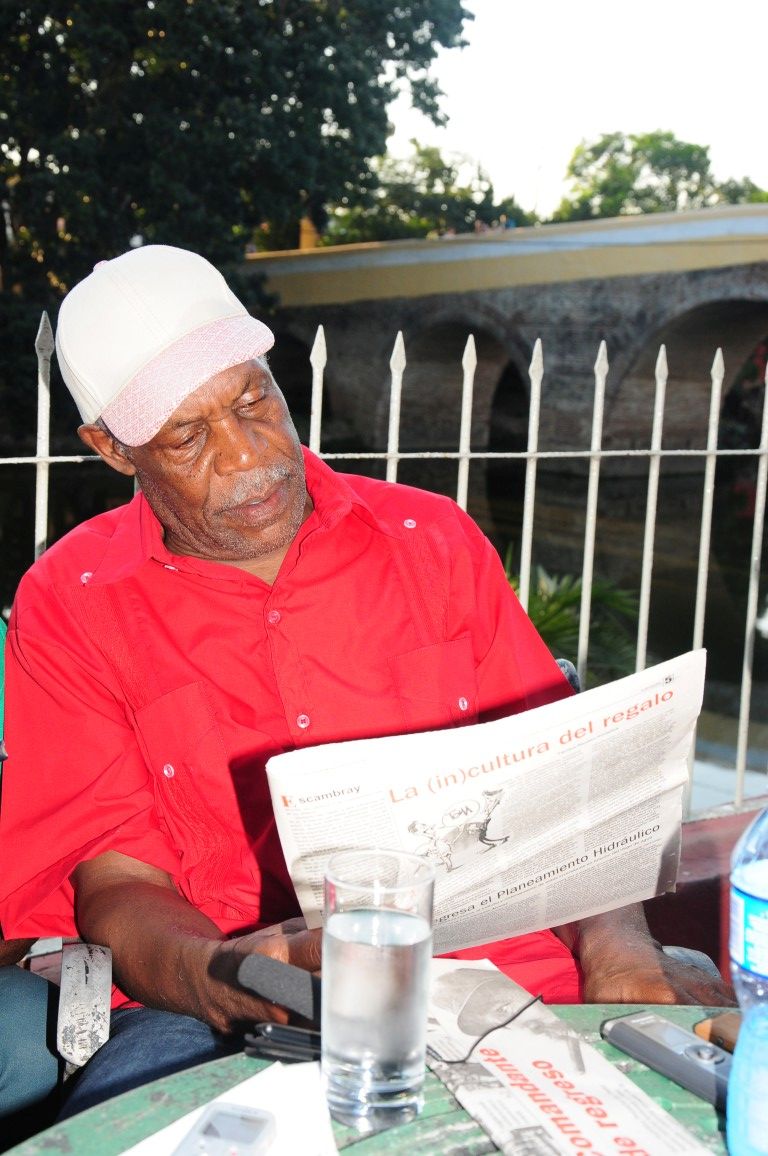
[[747, 1108], [749, 914]]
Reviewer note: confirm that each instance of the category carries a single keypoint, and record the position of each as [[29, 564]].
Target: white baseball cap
[[143, 331]]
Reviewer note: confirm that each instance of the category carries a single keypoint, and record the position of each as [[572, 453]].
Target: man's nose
[[240, 446]]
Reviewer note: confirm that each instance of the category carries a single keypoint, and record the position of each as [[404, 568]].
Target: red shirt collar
[[138, 536]]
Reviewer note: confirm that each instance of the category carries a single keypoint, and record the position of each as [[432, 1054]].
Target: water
[[747, 1107], [749, 933], [374, 1018]]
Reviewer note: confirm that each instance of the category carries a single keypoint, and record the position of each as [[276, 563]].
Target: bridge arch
[[694, 281], [737, 322], [290, 364], [691, 338], [432, 389]]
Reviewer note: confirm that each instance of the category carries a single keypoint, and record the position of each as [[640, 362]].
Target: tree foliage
[[418, 196], [193, 121], [743, 192], [554, 606], [189, 122], [644, 173]]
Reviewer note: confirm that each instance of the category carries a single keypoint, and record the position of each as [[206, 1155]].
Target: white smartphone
[[229, 1130]]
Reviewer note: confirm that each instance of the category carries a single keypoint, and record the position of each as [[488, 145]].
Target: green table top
[[442, 1129]]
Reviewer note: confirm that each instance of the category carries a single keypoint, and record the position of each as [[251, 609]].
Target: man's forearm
[[12, 950], [161, 945], [167, 954]]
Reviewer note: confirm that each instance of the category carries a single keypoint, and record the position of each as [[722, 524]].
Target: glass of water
[[377, 944]]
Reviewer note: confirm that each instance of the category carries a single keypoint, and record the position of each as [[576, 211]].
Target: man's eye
[[184, 442]]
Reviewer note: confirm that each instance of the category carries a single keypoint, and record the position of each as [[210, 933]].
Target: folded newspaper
[[536, 1086], [531, 821]]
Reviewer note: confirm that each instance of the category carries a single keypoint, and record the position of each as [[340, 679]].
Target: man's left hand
[[654, 977], [622, 963]]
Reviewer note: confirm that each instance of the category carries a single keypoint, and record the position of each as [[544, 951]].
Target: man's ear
[[107, 447]]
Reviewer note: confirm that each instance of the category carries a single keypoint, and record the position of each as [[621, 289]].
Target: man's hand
[[622, 963], [654, 977], [289, 942], [166, 954]]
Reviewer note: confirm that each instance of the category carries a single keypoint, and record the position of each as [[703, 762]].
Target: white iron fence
[[532, 456]]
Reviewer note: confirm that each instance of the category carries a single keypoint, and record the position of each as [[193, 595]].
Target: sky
[[538, 77]]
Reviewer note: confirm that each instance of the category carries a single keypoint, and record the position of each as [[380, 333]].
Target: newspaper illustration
[[531, 821], [535, 1086]]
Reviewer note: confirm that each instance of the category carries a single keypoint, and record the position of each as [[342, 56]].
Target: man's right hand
[[166, 954], [289, 942]]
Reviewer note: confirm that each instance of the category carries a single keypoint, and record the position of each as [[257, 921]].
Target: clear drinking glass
[[377, 944]]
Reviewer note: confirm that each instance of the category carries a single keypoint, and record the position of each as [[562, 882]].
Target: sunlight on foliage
[[554, 605]]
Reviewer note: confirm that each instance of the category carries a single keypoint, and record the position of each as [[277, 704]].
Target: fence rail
[[595, 456]]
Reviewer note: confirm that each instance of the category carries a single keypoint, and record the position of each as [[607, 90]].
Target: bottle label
[[749, 931]]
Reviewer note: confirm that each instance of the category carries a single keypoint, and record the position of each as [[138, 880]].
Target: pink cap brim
[[144, 405]]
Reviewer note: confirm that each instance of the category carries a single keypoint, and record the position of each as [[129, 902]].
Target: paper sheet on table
[[535, 1086], [278, 1089], [532, 821]]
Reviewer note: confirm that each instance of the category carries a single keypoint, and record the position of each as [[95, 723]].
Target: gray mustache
[[258, 484]]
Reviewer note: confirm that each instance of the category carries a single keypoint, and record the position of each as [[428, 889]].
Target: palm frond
[[554, 607]]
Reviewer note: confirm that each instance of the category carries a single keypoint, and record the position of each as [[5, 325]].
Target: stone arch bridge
[[692, 281]]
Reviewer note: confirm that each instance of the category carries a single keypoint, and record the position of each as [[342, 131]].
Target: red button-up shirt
[[146, 691]]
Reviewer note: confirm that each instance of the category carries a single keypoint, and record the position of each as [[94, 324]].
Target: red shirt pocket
[[436, 685]]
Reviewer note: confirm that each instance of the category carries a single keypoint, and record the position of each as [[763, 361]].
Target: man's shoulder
[[79, 552]]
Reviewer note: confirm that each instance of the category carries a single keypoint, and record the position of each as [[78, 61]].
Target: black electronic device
[[283, 984], [701, 1067], [284, 1042]]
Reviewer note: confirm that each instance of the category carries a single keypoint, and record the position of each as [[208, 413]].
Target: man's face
[[225, 474]]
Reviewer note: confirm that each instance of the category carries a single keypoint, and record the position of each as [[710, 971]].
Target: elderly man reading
[[249, 600]]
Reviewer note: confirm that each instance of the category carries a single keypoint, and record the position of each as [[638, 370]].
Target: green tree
[[191, 122], [743, 192], [644, 173], [425, 193]]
